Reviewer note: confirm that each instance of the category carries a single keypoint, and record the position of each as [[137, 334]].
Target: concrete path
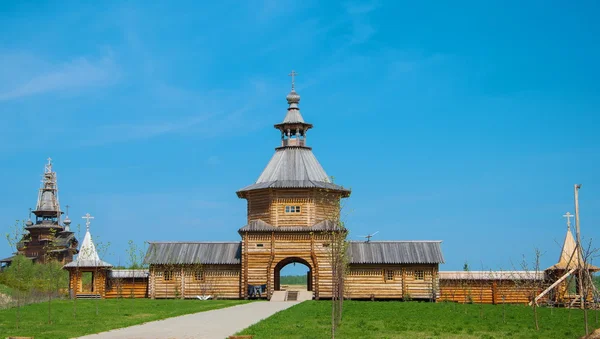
[[217, 324]]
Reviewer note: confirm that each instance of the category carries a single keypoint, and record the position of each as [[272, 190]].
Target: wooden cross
[[568, 215], [87, 216], [293, 74]]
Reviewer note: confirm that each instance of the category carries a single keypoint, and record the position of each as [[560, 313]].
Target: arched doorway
[[291, 260]]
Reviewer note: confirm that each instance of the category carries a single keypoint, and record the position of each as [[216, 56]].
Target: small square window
[[389, 275], [198, 275], [419, 275], [292, 209], [168, 275], [260, 245]]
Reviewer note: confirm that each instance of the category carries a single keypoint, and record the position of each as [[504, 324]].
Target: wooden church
[[293, 211], [48, 237]]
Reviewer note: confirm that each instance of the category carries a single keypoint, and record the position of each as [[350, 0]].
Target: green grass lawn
[[365, 319], [113, 313]]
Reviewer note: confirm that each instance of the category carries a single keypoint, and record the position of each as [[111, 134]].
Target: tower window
[[292, 209]]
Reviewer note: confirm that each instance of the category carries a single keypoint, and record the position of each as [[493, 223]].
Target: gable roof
[[165, 253], [395, 252], [293, 167]]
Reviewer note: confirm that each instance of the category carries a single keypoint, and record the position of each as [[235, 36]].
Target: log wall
[[98, 280], [180, 281], [489, 291], [127, 288], [391, 282], [269, 205]]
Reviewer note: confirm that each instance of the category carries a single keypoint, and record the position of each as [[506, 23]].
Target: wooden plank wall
[[219, 281], [489, 291], [99, 280], [315, 206], [372, 281], [259, 205], [127, 288]]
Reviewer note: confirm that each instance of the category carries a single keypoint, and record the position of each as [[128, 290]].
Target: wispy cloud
[[74, 74], [134, 131]]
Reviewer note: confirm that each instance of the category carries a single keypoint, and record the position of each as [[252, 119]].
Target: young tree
[[17, 265], [337, 253], [587, 283], [533, 283]]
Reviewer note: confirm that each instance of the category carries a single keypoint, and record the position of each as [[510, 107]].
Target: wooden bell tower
[[291, 208]]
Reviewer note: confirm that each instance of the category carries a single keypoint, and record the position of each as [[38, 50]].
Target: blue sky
[[463, 122]]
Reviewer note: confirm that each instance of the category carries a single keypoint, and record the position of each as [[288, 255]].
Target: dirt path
[[217, 324]]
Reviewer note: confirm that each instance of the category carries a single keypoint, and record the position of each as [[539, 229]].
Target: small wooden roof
[[87, 257], [570, 257]]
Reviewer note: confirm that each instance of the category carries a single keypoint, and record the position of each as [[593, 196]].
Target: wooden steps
[[88, 296], [292, 296]]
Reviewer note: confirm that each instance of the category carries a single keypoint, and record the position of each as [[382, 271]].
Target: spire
[[293, 165], [67, 221], [88, 256], [570, 257], [29, 222], [47, 210], [293, 128]]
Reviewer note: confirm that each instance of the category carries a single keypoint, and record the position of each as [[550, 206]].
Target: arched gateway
[[291, 260]]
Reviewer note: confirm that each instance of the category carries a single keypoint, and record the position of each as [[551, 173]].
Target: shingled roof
[[395, 252], [165, 253], [373, 252], [293, 167]]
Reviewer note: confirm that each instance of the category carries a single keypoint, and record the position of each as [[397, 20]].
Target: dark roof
[[395, 252], [293, 167], [63, 239], [261, 226], [9, 259], [193, 253]]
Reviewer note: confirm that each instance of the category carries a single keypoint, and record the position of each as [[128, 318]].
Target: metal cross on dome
[[293, 74], [87, 216], [568, 215]]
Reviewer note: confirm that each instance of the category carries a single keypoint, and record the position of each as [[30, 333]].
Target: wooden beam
[[552, 286]]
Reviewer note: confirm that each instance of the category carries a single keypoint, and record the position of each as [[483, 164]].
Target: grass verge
[[363, 319], [112, 313]]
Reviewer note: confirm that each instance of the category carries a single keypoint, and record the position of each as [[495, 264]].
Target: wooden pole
[[578, 246]]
